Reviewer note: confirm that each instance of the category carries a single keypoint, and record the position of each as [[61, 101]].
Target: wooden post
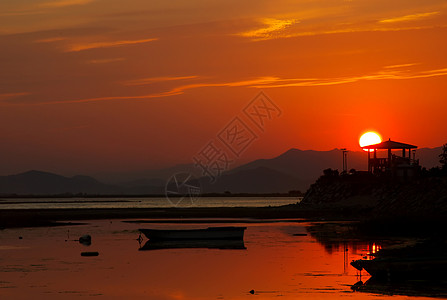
[[369, 161]]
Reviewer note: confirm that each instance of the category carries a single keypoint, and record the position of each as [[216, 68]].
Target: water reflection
[[341, 236], [43, 265], [185, 244]]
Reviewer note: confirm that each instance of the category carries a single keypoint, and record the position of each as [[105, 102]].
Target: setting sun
[[369, 138]]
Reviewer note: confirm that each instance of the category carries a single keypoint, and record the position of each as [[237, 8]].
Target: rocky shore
[[380, 196]]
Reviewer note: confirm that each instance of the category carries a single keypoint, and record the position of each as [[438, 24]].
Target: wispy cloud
[[151, 80], [263, 82], [105, 60], [413, 17], [7, 96], [21, 13], [95, 45], [401, 66], [351, 29], [284, 28], [50, 40], [271, 28], [175, 91], [357, 30], [248, 83], [64, 3], [381, 75]]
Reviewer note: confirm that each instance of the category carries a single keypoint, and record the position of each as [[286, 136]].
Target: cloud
[[356, 30], [64, 3], [175, 91], [407, 18], [249, 83], [261, 82], [283, 28], [270, 30], [7, 96], [359, 29], [105, 60], [150, 80], [21, 13], [51, 40], [381, 75], [401, 66], [95, 45]]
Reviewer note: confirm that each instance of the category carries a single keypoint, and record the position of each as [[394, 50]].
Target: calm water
[[46, 264], [33, 203]]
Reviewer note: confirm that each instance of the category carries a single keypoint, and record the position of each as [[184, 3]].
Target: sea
[[277, 259], [139, 202]]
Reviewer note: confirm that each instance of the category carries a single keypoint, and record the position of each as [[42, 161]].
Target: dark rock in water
[[85, 240], [252, 292], [300, 234], [357, 285], [90, 253], [20, 237]]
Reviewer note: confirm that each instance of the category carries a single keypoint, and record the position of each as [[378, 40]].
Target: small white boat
[[210, 233]]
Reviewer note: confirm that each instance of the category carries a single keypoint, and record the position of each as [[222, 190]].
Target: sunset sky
[[93, 86]]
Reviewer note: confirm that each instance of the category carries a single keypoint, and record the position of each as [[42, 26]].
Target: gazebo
[[401, 166]]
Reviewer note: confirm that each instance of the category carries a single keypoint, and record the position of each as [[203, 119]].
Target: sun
[[369, 138]]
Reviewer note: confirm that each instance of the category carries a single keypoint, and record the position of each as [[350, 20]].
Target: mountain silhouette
[[293, 170], [257, 180], [44, 183]]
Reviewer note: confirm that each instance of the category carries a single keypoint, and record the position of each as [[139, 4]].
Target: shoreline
[[14, 218], [370, 225]]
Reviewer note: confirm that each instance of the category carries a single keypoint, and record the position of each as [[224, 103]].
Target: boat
[[210, 233], [222, 244]]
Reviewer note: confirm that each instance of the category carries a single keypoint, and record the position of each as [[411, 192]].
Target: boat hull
[[222, 244], [211, 233]]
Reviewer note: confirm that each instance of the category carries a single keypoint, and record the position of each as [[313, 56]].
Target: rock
[[93, 253], [85, 240]]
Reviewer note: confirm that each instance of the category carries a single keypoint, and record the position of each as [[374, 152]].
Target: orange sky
[[106, 85]]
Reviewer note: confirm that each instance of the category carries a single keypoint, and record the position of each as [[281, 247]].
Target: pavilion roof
[[390, 145]]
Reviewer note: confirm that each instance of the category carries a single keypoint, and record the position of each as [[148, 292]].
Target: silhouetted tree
[[330, 173], [443, 157]]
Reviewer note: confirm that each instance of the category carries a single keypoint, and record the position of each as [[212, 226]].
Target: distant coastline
[[293, 194]]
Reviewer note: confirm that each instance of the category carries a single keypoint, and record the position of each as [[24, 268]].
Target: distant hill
[[293, 170], [307, 165], [44, 183], [37, 182], [256, 180]]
